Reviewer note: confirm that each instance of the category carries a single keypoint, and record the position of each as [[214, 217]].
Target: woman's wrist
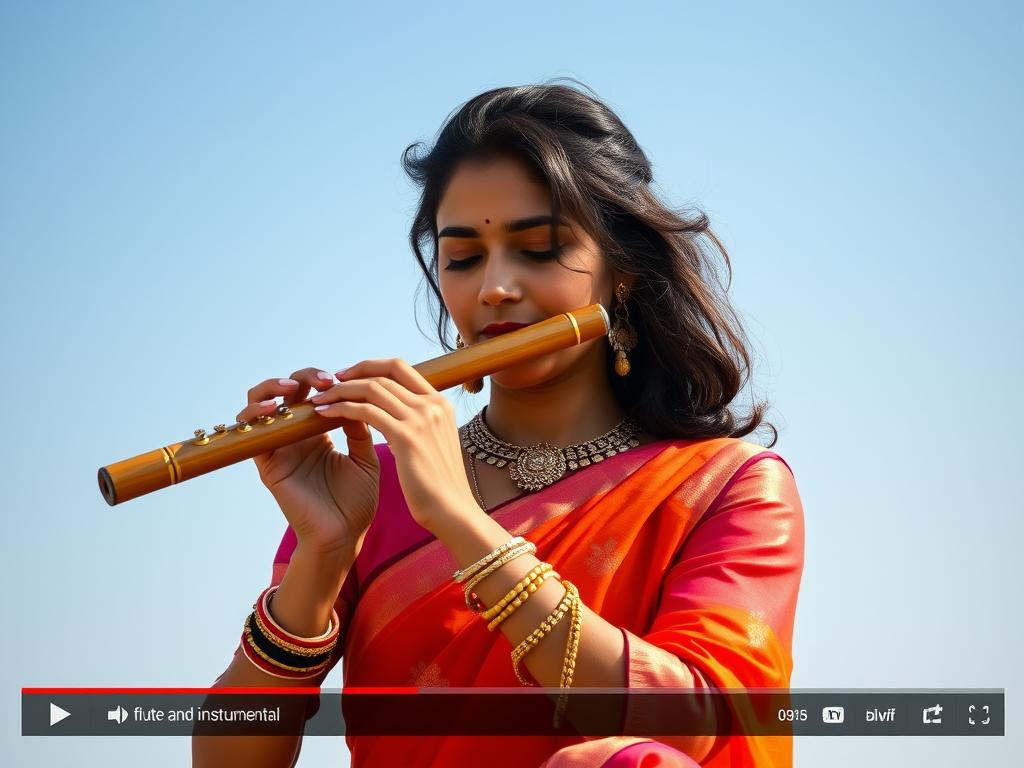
[[309, 589]]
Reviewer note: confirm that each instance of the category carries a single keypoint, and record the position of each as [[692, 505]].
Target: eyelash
[[466, 263]]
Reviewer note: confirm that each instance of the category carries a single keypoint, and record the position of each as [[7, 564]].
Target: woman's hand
[[328, 498], [419, 425]]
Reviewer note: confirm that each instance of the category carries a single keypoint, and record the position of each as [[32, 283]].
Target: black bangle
[[279, 655]]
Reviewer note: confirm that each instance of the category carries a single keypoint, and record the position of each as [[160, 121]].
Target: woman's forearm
[[601, 658], [302, 605], [308, 591]]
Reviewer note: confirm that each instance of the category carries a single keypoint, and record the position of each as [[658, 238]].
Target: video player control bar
[[503, 711]]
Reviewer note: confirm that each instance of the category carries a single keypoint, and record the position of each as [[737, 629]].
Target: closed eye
[[469, 261], [544, 255], [466, 263]]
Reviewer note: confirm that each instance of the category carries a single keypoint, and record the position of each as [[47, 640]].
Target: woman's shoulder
[[726, 473], [751, 478], [728, 454]]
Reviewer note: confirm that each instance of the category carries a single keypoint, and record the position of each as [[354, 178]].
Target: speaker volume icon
[[119, 715]]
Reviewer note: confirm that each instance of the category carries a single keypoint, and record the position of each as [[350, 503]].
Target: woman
[[659, 549]]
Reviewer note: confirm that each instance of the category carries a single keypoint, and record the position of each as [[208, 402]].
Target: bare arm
[[302, 606]]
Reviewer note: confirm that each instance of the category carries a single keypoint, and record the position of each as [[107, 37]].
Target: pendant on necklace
[[537, 466]]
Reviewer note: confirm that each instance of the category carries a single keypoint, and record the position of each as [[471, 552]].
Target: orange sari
[[694, 549]]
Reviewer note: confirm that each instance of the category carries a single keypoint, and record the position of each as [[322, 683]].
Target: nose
[[500, 282]]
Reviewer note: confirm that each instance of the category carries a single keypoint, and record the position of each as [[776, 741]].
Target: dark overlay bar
[[509, 712]]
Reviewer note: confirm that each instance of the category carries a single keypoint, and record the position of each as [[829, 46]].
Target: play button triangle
[[57, 714]]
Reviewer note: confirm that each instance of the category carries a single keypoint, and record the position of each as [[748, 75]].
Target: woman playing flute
[[599, 523]]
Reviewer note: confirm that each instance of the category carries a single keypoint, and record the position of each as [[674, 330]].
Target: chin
[[580, 362], [527, 375]]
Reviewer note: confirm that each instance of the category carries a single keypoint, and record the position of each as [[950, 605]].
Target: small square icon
[[832, 714]]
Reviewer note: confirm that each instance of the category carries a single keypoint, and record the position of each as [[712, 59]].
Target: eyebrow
[[512, 226]]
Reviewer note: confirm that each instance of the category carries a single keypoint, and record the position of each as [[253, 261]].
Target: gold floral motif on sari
[[424, 675], [603, 558], [758, 630]]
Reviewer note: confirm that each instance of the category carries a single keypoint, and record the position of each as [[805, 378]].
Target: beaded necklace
[[537, 466]]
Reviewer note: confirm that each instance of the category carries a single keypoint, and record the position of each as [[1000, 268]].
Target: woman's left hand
[[419, 424]]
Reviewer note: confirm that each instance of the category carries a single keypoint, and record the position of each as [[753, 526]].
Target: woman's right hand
[[329, 498]]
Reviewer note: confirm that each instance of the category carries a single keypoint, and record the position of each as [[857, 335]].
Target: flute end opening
[[107, 486]]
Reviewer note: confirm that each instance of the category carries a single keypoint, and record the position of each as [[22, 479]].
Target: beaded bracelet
[[472, 601], [464, 573], [572, 647], [546, 626], [572, 644], [523, 596], [493, 611]]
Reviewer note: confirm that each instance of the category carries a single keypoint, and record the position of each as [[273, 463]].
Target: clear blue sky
[[198, 196]]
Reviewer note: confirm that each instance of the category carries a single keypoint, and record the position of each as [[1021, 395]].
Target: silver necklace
[[533, 467]]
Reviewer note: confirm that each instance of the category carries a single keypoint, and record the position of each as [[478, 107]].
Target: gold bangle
[[313, 671], [464, 573], [494, 610], [546, 626], [298, 650], [538, 634], [527, 548], [523, 596]]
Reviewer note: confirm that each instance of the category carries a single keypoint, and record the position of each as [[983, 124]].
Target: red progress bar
[[259, 691]]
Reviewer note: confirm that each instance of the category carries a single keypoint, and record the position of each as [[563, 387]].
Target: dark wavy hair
[[691, 359]]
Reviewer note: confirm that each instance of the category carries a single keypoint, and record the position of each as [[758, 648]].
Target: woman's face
[[495, 265]]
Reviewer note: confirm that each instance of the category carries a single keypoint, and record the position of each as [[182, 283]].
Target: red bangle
[[273, 668], [280, 653], [275, 631]]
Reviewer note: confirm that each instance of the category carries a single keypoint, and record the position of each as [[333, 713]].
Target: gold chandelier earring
[[475, 385], [622, 335]]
